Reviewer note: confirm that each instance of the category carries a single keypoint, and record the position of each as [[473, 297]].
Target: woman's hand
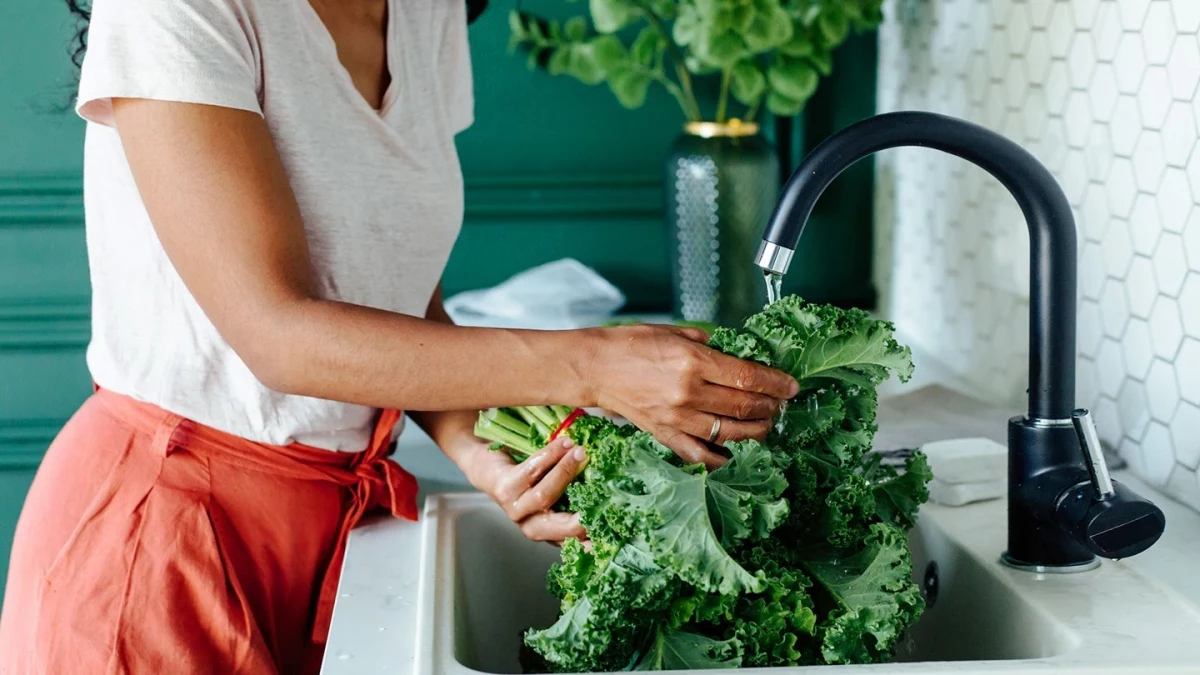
[[526, 491], [667, 381]]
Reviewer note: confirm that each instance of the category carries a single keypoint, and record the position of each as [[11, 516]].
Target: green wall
[[553, 168]]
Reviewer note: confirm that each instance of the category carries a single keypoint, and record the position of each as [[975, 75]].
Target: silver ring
[[716, 429]]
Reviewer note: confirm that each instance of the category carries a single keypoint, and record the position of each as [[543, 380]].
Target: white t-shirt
[[380, 191]]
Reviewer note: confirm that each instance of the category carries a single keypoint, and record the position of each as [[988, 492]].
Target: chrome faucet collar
[[773, 258]]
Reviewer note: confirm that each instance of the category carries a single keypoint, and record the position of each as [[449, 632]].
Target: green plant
[[771, 51], [792, 553]]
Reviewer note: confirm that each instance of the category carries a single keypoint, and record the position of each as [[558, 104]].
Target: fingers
[[739, 405], [552, 526], [690, 332], [748, 376], [542, 496], [689, 448], [701, 425], [539, 463]]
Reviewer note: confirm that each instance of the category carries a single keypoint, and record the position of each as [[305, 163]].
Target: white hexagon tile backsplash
[[1105, 93]]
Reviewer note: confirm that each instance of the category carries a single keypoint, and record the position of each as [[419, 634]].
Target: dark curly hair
[[82, 11]]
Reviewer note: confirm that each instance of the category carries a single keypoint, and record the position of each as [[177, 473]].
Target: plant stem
[[685, 80], [544, 414], [675, 91], [532, 420], [686, 97], [491, 431], [501, 417], [723, 101], [752, 111]]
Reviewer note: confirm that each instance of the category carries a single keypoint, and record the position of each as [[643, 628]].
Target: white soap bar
[[967, 460], [965, 493]]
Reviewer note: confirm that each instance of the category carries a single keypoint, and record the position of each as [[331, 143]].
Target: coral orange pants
[[151, 544]]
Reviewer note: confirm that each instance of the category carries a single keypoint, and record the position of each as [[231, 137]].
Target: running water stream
[[774, 281]]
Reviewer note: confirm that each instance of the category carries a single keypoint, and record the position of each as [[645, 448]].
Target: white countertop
[[374, 615]]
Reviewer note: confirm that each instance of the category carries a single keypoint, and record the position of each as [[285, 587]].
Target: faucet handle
[[1115, 522], [1093, 454]]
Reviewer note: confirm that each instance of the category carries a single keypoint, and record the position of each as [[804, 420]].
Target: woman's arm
[[527, 491], [222, 207], [452, 430]]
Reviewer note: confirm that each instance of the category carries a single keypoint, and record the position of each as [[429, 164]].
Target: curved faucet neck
[[1052, 269]]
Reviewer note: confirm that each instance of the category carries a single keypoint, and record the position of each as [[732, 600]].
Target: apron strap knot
[[379, 482]]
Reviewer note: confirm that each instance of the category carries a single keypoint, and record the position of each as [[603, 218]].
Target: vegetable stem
[[545, 415], [487, 429], [505, 419], [532, 419]]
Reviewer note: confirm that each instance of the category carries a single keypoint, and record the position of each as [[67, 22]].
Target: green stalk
[[723, 101], [532, 420], [685, 80], [752, 111], [545, 416], [686, 96], [506, 419], [486, 429], [673, 90], [562, 411]]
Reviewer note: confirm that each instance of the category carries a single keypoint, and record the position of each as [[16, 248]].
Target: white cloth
[[380, 190], [558, 295]]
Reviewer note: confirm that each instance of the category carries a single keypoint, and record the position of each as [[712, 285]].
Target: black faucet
[[1063, 508]]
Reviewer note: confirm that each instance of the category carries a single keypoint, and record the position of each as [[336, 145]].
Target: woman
[[272, 191]]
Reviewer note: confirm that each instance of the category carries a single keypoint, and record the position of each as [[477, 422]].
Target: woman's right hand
[[667, 381], [527, 491]]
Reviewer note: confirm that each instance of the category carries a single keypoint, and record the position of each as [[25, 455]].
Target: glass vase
[[722, 181]]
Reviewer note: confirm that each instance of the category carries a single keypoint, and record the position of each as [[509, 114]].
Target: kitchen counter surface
[[375, 613]]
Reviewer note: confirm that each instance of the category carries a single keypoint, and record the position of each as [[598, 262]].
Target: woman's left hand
[[528, 490]]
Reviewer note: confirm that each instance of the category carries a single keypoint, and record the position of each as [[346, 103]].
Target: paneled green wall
[[554, 168]]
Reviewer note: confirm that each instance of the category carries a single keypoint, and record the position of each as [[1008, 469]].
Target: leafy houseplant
[[721, 175], [763, 51]]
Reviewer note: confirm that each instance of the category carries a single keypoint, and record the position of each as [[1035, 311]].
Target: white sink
[[482, 584]]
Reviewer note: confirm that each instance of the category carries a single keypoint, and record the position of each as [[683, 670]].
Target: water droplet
[[343, 656], [382, 629], [347, 595]]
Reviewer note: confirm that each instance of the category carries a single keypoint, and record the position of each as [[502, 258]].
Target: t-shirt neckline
[[390, 93]]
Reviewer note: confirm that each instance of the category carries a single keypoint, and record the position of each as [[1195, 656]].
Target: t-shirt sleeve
[[454, 61], [189, 51]]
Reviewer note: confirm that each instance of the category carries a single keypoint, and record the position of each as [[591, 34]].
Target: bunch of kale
[[793, 553]]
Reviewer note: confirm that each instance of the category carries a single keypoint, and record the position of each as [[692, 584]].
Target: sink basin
[[482, 584]]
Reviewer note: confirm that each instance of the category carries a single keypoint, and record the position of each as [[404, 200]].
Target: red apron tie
[[380, 482]]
